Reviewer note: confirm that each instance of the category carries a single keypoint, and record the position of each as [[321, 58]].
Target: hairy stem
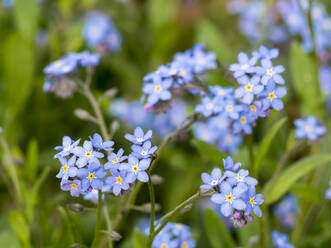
[[152, 216], [98, 224]]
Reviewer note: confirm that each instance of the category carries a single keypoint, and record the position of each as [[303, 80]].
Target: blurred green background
[[34, 33]]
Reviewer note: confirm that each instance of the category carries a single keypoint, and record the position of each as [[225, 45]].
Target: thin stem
[[86, 91], [10, 165], [108, 222], [250, 146], [262, 228], [152, 216], [98, 224]]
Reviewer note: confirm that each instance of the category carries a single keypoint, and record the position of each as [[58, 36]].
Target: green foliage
[[289, 176], [209, 151], [20, 227], [217, 232], [265, 145], [140, 239]]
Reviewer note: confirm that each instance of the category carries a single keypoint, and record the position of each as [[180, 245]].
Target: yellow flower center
[[239, 178], [270, 72], [253, 107], [164, 246], [158, 88], [58, 63], [229, 108], [209, 106], [221, 92], [115, 160], [74, 186], [228, 139], [88, 154], [214, 182], [308, 128], [244, 66], [135, 168], [251, 201], [271, 95], [143, 153], [229, 198], [65, 168], [249, 87], [243, 119], [67, 148], [184, 245], [91, 176], [139, 139], [182, 73], [119, 179]]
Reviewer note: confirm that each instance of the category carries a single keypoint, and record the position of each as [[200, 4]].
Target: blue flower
[[64, 65], [74, 186], [243, 124], [158, 90], [209, 106], [232, 109], [230, 166], [86, 154], [98, 143], [139, 137], [114, 160], [229, 199], [67, 146], [87, 59], [136, 169], [100, 32], [270, 73], [92, 177], [212, 180], [68, 168], [244, 66], [240, 179], [229, 142], [144, 151], [271, 97], [203, 60], [252, 202], [117, 181], [248, 88], [309, 128], [328, 192], [280, 240], [286, 211], [265, 53], [220, 92]]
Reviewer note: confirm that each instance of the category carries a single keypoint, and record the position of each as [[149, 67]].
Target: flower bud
[[82, 114], [76, 207], [115, 236], [110, 93], [156, 179]]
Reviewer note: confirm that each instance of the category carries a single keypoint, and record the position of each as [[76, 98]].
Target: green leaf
[[210, 34], [305, 79], [20, 227], [8, 240], [26, 14], [217, 232], [265, 145], [33, 196], [161, 12], [289, 176], [31, 162], [140, 239], [209, 151], [307, 192]]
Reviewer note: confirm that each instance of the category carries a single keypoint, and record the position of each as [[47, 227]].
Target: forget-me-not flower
[[212, 180], [270, 72], [86, 154], [114, 160], [117, 181], [244, 66], [139, 137], [248, 88], [241, 179], [68, 168], [208, 106], [271, 97], [98, 143], [74, 186], [92, 176], [67, 146], [230, 166], [328, 192], [136, 169], [144, 151], [280, 240], [309, 128], [252, 202]]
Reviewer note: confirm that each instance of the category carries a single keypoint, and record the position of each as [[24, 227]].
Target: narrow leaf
[[307, 192], [20, 227], [140, 239], [217, 232], [265, 145], [289, 176]]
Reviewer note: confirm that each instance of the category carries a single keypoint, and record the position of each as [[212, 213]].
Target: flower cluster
[[83, 172], [286, 211], [160, 85], [58, 72], [235, 192], [309, 127], [99, 32], [280, 240], [233, 111], [134, 114], [174, 235]]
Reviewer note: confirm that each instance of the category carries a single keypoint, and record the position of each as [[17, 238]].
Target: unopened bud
[[75, 246], [156, 179], [206, 192], [76, 207], [82, 114], [186, 209], [114, 126], [115, 236], [146, 208], [111, 93]]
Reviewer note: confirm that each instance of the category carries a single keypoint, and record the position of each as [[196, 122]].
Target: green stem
[[10, 166], [152, 217], [262, 228], [250, 146], [98, 224], [108, 222]]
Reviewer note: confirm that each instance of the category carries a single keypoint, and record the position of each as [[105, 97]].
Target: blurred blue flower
[[144, 151], [309, 127], [270, 73], [243, 124], [265, 53], [286, 211], [245, 65], [136, 169], [158, 90], [230, 166], [64, 65], [328, 192], [240, 179], [139, 137], [280, 240], [221, 92], [212, 180], [271, 97], [229, 199], [248, 88], [209, 106], [232, 109], [229, 142]]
